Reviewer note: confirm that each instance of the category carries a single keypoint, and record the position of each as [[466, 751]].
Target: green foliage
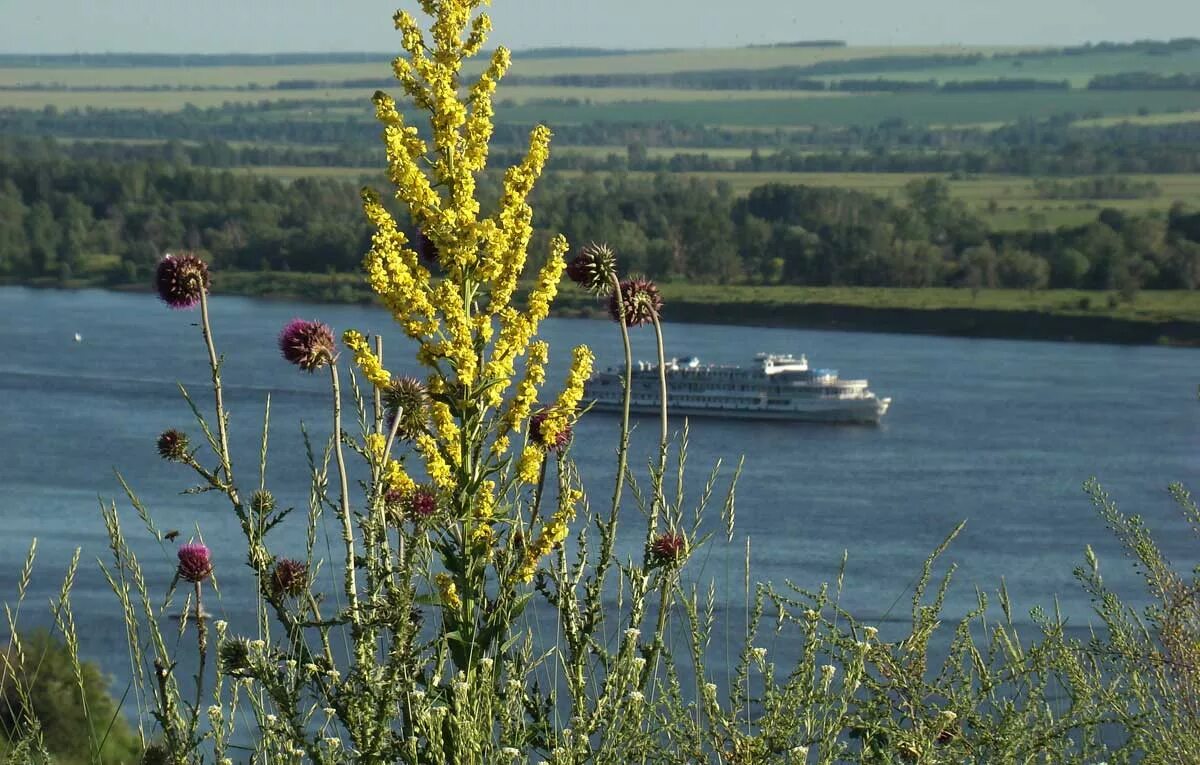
[[49, 714]]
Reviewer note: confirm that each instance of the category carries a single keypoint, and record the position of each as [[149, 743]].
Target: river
[[998, 433]]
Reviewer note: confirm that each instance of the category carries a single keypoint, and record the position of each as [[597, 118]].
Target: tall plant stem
[[214, 364], [347, 523], [202, 648], [627, 382], [659, 496]]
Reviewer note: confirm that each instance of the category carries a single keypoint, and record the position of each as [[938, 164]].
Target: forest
[[62, 216]]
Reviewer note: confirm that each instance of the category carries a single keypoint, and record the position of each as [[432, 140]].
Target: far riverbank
[[1148, 318]]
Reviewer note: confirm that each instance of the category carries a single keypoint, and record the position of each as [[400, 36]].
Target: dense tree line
[[1144, 81], [1036, 148], [1104, 187], [60, 218]]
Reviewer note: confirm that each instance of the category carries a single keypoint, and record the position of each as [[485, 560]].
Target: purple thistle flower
[[554, 442], [307, 344], [195, 565], [641, 299], [421, 503], [181, 279], [290, 577], [668, 548]]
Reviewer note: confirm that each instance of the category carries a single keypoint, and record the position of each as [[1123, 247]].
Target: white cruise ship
[[777, 387]]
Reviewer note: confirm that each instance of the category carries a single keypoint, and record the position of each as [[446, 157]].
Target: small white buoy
[[78, 338]]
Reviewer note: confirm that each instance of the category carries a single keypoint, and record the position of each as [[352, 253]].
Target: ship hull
[[859, 411]]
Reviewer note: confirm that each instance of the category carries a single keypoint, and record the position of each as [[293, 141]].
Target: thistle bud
[[407, 398], [307, 344], [262, 502], [233, 657], [181, 279], [594, 268]]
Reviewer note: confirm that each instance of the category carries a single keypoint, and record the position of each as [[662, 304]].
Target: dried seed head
[[641, 300], [173, 445], [181, 279], [290, 577]]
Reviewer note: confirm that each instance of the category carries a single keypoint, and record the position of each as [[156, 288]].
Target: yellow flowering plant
[[460, 312]]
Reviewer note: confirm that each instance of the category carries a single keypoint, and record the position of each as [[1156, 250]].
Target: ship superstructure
[[775, 387]]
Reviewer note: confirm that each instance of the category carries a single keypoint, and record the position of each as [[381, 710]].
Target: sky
[[267, 26]]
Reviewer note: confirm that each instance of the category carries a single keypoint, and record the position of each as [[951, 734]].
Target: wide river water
[[1001, 434]]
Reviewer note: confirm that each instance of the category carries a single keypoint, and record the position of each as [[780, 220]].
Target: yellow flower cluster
[[392, 474], [436, 466], [366, 359], [552, 535], [530, 464], [448, 591], [522, 402], [558, 417]]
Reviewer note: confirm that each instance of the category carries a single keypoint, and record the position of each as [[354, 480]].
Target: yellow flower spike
[[485, 506], [553, 534], [529, 466], [375, 443], [436, 466], [522, 402], [395, 478], [365, 358], [560, 414], [448, 591], [482, 539], [481, 27]]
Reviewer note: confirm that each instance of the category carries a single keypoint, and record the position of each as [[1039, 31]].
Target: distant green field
[[1150, 305], [174, 100], [1142, 119], [1077, 70], [674, 61], [916, 108]]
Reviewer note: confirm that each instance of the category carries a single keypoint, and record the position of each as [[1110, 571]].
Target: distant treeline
[[732, 79], [62, 218], [1033, 148], [1149, 47], [1105, 187], [803, 44], [1072, 159], [1144, 81]]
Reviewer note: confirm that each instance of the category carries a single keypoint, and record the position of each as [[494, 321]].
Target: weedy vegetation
[[454, 519]]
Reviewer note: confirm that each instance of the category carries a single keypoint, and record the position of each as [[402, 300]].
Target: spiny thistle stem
[[214, 364], [347, 522], [202, 649]]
